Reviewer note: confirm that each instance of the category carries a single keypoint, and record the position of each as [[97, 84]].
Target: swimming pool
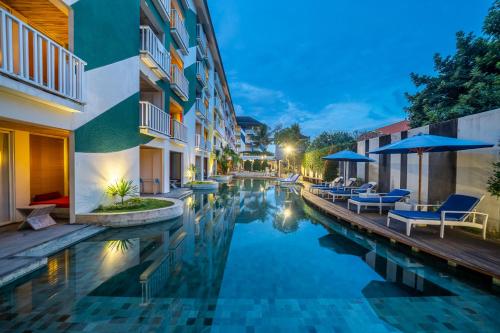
[[251, 258]]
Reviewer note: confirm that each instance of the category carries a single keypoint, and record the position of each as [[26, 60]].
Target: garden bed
[[134, 212]]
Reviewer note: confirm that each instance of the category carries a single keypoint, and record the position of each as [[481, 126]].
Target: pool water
[[252, 257]]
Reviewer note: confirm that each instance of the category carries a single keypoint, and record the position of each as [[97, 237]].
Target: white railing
[[201, 73], [151, 45], [218, 85], [178, 130], [220, 127], [201, 38], [197, 141], [180, 82], [201, 108], [218, 104], [179, 31], [164, 5], [28, 55], [155, 119], [208, 145], [208, 89]]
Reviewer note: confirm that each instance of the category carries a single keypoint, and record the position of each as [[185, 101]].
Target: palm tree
[[262, 137]]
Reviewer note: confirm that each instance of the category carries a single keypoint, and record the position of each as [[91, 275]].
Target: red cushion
[[47, 196], [62, 202]]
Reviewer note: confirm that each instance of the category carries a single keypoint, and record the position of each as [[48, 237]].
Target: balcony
[[218, 85], [154, 121], [197, 141], [219, 126], [178, 130], [154, 54], [202, 42], [201, 144], [201, 109], [208, 89], [29, 56], [163, 7], [201, 73], [179, 83], [179, 32], [218, 104]]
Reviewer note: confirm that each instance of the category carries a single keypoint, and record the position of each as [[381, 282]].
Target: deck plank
[[460, 247]]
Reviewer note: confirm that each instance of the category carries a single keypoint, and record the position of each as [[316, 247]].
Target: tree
[[342, 140], [467, 82], [226, 159], [262, 137], [293, 137]]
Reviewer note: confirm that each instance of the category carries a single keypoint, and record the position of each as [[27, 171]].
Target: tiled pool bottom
[[251, 258]]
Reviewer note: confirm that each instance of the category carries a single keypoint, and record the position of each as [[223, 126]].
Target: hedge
[[312, 161]]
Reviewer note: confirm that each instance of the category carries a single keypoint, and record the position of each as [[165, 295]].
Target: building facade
[[95, 91]]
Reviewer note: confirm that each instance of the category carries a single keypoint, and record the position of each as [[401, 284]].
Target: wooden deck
[[458, 246]]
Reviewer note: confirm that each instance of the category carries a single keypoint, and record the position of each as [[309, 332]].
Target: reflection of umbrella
[[426, 143], [342, 245], [347, 156]]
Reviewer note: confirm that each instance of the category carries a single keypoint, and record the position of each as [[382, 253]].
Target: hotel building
[[93, 91]]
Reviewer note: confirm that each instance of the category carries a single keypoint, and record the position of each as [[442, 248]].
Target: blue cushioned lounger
[[457, 210], [379, 200]]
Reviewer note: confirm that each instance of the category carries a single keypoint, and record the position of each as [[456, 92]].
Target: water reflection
[[251, 246]]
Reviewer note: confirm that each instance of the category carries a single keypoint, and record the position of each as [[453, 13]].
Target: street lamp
[[288, 151]]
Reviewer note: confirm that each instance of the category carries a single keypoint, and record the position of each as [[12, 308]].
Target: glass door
[[5, 176]]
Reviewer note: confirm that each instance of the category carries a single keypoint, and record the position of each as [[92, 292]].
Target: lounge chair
[[326, 185], [292, 180], [287, 179], [348, 192], [379, 200], [348, 184], [453, 212]]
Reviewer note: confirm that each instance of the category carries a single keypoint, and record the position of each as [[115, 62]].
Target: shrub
[[247, 166], [265, 165], [122, 188], [494, 181], [257, 166]]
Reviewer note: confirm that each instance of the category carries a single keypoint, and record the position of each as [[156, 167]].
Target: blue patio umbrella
[[347, 156], [426, 143]]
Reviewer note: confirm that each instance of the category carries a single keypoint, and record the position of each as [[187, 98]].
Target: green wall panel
[[106, 31], [115, 130]]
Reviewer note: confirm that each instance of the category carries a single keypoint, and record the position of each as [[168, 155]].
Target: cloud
[[274, 107]]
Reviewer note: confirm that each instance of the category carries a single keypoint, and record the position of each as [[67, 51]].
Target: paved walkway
[[178, 193], [24, 251], [458, 247]]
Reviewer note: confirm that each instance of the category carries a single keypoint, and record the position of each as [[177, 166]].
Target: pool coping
[[396, 237]]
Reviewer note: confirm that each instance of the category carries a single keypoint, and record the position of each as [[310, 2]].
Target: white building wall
[[474, 167]]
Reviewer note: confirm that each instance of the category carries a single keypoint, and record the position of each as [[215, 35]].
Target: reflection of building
[[143, 99]]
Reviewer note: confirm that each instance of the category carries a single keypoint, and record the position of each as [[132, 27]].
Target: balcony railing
[[197, 141], [201, 38], [179, 83], [201, 73], [154, 53], [218, 105], [153, 119], [163, 7], [179, 31], [208, 89], [201, 109], [218, 85], [28, 55], [178, 130], [201, 143]]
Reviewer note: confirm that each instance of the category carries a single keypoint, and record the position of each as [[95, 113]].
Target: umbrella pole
[[420, 153]]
